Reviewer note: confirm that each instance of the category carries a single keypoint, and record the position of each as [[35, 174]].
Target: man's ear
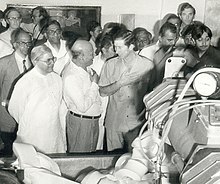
[[45, 34], [7, 21], [131, 47], [91, 33]]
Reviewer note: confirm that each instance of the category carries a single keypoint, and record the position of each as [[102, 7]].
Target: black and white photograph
[[109, 92]]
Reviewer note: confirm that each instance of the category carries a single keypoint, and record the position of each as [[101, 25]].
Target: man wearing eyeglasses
[[13, 19], [12, 67], [53, 34], [36, 109]]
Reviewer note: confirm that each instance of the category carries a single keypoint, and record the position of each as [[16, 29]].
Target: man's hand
[[128, 78], [93, 76]]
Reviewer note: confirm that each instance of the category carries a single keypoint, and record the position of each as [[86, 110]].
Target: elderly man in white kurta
[[35, 104]]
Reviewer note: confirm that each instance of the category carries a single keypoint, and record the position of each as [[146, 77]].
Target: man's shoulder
[[70, 71], [112, 62], [150, 47], [144, 62], [7, 59]]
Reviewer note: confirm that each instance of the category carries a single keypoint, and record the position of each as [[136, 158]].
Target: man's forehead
[[168, 33], [81, 45], [53, 26], [24, 36]]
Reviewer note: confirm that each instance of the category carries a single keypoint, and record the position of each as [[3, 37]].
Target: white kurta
[[35, 104]]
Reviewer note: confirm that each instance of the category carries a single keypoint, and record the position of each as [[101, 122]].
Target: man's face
[[53, 34], [167, 40], [108, 52], [141, 41], [46, 62], [97, 31], [121, 49], [23, 44], [187, 16], [88, 55], [203, 43], [14, 20], [36, 16], [176, 22]]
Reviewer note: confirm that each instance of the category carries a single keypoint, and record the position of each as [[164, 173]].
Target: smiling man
[[125, 79], [53, 34], [36, 109]]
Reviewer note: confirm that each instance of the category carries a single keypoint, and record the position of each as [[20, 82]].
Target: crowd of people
[[86, 94]]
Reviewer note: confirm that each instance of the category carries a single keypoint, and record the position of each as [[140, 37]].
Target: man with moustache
[[167, 39]]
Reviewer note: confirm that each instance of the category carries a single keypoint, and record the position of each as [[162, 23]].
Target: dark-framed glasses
[[23, 44], [53, 32], [49, 61]]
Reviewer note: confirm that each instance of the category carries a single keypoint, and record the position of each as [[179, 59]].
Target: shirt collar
[[19, 58]]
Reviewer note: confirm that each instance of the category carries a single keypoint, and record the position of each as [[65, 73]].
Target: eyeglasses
[[27, 44], [52, 32], [143, 41], [14, 18], [50, 61]]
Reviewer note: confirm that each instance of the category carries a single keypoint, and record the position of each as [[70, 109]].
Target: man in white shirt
[[13, 19], [12, 67], [53, 34], [81, 94], [36, 109]]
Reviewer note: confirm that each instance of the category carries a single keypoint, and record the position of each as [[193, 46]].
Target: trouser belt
[[84, 116]]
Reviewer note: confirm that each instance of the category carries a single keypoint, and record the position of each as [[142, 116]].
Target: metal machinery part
[[194, 131]]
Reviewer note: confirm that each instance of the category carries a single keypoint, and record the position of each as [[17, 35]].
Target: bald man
[[81, 94]]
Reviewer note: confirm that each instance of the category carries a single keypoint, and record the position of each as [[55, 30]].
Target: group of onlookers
[[82, 95]]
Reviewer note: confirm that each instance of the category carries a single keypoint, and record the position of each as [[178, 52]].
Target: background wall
[[147, 12]]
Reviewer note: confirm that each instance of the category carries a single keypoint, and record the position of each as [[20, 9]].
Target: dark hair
[[103, 41], [91, 26], [139, 30], [113, 28], [167, 26], [50, 22], [1, 14], [184, 6], [125, 35], [43, 12], [9, 10], [172, 16], [199, 29], [6, 13], [16, 33]]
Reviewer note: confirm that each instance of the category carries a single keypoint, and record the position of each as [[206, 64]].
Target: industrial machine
[[186, 116]]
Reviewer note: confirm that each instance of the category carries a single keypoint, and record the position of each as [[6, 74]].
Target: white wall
[[147, 12]]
